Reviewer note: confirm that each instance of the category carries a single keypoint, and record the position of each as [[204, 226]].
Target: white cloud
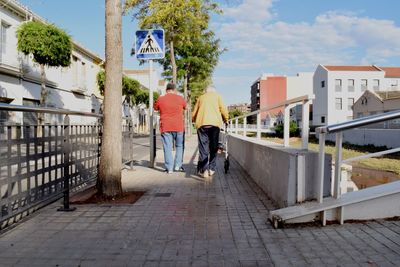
[[251, 11], [332, 38]]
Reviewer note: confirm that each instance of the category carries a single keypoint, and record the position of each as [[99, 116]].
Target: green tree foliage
[[236, 113], [48, 45], [196, 62], [293, 129], [184, 21], [143, 97], [131, 90]]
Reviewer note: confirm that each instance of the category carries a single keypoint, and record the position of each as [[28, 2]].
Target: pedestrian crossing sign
[[150, 44]]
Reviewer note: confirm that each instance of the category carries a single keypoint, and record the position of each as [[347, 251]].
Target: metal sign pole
[[149, 45], [151, 115]]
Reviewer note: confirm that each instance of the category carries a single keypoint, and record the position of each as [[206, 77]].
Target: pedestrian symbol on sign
[[150, 44]]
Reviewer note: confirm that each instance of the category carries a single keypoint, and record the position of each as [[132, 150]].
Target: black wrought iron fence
[[39, 164]]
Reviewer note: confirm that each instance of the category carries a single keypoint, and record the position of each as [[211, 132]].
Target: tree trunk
[[186, 99], [109, 183], [173, 63]]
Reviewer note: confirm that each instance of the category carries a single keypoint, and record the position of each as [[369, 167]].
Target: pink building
[[267, 91]]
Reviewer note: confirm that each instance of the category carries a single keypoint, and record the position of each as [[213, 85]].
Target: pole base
[[66, 209]]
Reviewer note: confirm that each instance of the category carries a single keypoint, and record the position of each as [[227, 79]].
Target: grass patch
[[385, 163]]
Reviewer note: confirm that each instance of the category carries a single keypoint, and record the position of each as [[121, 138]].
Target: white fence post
[[236, 125], [245, 126], [305, 124], [321, 169], [259, 125], [286, 126], [338, 165], [301, 178]]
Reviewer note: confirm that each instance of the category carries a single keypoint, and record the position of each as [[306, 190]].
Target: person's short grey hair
[[210, 89]]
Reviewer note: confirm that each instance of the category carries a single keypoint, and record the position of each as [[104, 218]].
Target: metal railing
[[338, 129], [41, 163], [289, 104]]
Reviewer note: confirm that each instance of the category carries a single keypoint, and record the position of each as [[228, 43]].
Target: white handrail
[[338, 130], [288, 104]]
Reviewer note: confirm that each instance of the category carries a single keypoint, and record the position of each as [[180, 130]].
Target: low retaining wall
[[286, 175], [363, 136]]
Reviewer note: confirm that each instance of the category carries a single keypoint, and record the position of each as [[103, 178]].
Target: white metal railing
[[338, 129], [288, 104]]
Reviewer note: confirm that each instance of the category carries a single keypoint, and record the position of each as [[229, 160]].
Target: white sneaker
[[211, 172], [203, 174]]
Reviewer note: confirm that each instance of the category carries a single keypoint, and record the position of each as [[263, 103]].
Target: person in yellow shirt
[[209, 114]]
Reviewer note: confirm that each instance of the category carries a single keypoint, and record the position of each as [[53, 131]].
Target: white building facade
[[299, 85], [337, 88], [73, 87], [143, 77]]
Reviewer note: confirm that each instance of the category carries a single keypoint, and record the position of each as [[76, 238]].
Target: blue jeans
[[167, 140]]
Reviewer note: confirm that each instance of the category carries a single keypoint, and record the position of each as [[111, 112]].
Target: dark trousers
[[208, 147]]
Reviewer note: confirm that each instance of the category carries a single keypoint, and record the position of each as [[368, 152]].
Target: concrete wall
[[377, 137], [276, 169]]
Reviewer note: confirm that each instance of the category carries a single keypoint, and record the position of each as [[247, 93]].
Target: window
[[322, 119], [359, 115], [83, 80], [350, 103], [322, 84], [338, 103], [350, 85], [394, 84], [364, 84], [338, 85], [3, 36], [375, 84], [74, 71]]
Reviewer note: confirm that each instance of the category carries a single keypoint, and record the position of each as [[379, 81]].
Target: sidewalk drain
[[162, 194]]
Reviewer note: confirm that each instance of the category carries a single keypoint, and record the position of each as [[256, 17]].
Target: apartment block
[[73, 87], [242, 107], [267, 91], [270, 90], [336, 88]]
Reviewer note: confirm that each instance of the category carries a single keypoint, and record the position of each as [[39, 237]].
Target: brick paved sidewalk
[[220, 222]]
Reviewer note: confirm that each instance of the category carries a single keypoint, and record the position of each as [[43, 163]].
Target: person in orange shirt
[[171, 108], [209, 114]]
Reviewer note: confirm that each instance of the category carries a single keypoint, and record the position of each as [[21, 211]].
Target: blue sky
[[282, 37]]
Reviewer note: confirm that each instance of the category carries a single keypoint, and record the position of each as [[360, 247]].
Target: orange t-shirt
[[171, 108]]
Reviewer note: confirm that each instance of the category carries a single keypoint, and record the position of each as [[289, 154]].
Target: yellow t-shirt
[[210, 110]]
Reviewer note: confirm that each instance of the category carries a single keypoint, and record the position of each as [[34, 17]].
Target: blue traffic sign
[[150, 44]]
